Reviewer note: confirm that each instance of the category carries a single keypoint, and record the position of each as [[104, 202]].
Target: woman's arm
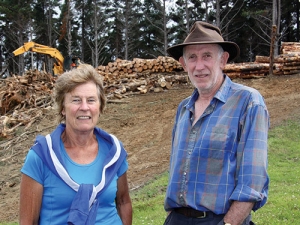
[[31, 193], [123, 200]]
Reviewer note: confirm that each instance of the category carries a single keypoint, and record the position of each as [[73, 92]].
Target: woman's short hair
[[69, 80]]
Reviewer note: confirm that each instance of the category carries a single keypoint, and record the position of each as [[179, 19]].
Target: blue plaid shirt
[[223, 157]]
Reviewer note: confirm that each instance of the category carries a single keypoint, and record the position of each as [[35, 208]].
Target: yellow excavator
[[61, 63]]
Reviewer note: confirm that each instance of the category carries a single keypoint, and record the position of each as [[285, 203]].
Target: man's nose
[[199, 64]]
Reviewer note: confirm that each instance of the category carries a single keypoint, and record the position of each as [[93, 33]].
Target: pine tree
[[16, 29]]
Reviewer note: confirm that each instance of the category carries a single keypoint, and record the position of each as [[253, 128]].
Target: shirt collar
[[221, 95]]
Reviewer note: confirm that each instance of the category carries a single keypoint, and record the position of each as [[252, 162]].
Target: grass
[[148, 202], [283, 205]]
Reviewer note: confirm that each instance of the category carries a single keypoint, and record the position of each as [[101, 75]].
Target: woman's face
[[82, 108]]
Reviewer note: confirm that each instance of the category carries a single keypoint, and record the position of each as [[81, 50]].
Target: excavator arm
[[58, 67]]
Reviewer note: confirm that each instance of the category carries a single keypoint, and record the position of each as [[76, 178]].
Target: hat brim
[[232, 48]]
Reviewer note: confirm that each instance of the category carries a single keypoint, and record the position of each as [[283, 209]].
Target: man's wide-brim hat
[[205, 33]]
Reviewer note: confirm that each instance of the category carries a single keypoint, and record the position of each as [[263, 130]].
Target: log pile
[[23, 99], [247, 70], [122, 77], [122, 68], [288, 62], [141, 83]]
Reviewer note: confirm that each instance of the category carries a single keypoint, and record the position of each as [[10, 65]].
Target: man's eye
[[207, 56], [192, 58]]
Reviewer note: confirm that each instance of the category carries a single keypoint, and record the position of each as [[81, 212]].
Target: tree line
[[100, 31]]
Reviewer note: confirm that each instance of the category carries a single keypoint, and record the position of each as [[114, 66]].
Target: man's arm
[[238, 212]]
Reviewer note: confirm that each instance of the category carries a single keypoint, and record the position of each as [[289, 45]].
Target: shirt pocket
[[219, 142]]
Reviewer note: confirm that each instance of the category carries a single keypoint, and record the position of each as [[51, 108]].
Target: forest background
[[101, 31]]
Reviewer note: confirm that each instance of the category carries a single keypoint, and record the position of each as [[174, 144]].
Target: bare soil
[[144, 124]]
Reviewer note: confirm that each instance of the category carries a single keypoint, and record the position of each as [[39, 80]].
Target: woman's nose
[[84, 105]]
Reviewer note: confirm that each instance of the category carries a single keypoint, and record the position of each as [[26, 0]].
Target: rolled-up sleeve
[[252, 156]]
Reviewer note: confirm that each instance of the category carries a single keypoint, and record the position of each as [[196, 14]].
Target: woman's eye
[[76, 100], [91, 100]]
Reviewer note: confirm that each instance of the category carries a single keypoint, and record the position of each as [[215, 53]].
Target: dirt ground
[[144, 124]]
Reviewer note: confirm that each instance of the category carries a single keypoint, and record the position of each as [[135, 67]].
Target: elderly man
[[218, 162]]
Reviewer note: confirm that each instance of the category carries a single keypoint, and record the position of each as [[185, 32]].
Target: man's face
[[204, 64]]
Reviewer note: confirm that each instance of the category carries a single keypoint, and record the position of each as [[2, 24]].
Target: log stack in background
[[25, 99], [123, 68], [123, 77], [247, 70], [286, 63]]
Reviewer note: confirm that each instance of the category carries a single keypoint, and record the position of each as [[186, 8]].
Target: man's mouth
[[201, 75]]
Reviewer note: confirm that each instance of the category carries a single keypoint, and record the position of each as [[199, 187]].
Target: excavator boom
[[53, 52]]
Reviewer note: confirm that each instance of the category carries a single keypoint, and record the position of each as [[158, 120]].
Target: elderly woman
[[76, 174]]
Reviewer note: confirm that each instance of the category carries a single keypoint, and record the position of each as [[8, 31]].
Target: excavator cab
[[75, 62], [67, 63], [71, 62]]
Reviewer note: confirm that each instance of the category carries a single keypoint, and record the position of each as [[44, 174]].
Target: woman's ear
[[63, 112]]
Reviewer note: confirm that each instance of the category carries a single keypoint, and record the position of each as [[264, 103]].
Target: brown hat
[[205, 33]]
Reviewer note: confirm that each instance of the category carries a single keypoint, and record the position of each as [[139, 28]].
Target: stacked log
[[124, 68], [247, 70], [143, 82], [290, 47], [288, 62], [122, 77]]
